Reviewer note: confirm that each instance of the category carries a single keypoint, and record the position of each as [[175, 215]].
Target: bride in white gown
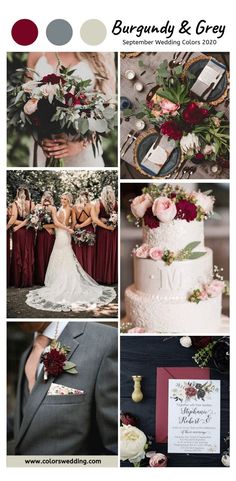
[[100, 69], [67, 286]]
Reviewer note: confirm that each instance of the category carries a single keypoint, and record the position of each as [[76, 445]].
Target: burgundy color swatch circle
[[24, 32]]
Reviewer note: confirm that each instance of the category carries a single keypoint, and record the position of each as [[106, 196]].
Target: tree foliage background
[[18, 140], [58, 182]]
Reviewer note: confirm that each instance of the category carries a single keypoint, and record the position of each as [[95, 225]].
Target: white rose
[[185, 341], [225, 460], [206, 202], [190, 142], [132, 444], [49, 90]]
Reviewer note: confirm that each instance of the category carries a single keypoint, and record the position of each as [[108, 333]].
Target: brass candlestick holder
[[137, 394]]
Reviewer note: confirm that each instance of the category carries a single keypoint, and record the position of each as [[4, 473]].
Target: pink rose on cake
[[164, 209], [140, 204], [156, 254], [142, 251], [206, 202], [215, 288]]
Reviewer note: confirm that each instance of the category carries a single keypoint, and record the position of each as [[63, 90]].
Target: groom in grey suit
[[71, 424]]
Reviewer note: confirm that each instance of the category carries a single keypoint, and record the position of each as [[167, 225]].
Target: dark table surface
[[141, 355]]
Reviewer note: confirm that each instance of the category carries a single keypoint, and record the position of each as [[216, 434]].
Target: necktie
[[31, 365]]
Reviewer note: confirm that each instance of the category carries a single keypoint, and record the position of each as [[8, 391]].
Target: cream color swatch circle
[[93, 31]]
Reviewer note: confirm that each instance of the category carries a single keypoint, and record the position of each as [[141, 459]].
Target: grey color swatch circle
[[93, 31], [59, 32]]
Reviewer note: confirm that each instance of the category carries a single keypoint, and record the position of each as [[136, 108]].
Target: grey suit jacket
[[72, 424]]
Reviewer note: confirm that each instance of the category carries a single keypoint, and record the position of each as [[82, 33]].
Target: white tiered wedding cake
[[174, 287]]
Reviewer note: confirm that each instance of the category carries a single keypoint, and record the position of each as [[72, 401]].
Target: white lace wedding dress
[[86, 158], [67, 286]]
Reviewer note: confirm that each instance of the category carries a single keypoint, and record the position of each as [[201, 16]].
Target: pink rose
[[31, 106], [164, 209], [136, 330], [142, 251], [215, 288], [203, 295], [168, 107], [158, 461], [155, 253], [140, 204]]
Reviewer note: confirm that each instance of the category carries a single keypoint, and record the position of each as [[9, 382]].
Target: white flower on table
[[132, 444]]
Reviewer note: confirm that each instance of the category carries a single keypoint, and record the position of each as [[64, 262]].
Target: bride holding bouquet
[[67, 100]]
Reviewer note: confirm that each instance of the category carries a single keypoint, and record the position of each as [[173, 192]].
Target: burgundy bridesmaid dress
[[106, 251], [8, 257], [22, 262], [85, 254], [43, 249]]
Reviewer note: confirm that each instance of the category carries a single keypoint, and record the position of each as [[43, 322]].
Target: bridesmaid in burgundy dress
[[44, 242], [106, 238], [22, 263], [81, 218], [10, 221]]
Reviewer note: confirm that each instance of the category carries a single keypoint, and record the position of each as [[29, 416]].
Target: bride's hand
[[71, 231], [59, 148]]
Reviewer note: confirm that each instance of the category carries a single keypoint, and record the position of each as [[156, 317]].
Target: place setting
[[175, 116]]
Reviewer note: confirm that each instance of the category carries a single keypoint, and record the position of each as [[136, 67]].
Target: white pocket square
[[60, 390]]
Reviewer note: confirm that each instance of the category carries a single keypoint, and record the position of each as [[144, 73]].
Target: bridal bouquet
[[197, 127], [82, 237], [60, 105], [38, 219], [113, 220]]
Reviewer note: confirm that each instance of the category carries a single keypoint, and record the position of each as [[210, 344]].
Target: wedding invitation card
[[194, 416], [163, 374]]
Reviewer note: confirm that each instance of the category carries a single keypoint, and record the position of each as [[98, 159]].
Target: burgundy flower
[[72, 99], [190, 391], [54, 362], [150, 220], [198, 158], [128, 419], [186, 210], [200, 341], [172, 129], [172, 195], [193, 114], [53, 79]]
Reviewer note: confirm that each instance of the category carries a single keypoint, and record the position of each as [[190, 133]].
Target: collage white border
[[131, 13]]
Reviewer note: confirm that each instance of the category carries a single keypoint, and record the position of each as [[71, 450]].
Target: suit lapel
[[18, 411], [40, 389]]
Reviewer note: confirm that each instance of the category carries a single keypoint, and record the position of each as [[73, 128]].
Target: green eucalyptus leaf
[[195, 255]]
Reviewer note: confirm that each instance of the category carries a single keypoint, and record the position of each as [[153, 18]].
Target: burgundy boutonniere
[[55, 361]]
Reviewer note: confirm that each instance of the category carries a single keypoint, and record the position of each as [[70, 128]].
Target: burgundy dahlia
[[193, 114], [53, 79], [186, 210], [149, 219], [172, 130], [54, 362]]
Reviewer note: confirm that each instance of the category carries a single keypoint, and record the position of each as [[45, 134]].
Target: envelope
[[60, 390], [163, 375]]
